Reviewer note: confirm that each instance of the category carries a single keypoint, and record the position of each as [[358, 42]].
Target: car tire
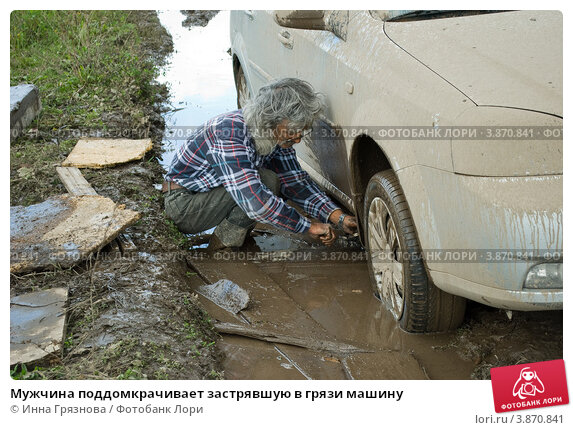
[[397, 272], [243, 93]]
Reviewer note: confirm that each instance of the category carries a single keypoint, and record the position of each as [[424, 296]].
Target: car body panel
[[499, 298], [483, 215], [464, 194], [501, 59], [532, 155], [382, 94]]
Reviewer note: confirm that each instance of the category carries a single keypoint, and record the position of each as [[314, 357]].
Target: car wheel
[[398, 274], [243, 93]]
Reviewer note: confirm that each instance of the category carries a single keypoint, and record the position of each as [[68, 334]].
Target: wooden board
[[64, 230], [75, 182], [97, 153], [77, 185]]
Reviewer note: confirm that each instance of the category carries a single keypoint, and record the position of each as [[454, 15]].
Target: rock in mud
[[198, 17], [226, 294]]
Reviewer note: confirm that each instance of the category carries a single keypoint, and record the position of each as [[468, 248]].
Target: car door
[[250, 32], [317, 56]]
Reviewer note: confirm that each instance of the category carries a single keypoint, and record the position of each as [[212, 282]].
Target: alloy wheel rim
[[386, 257]]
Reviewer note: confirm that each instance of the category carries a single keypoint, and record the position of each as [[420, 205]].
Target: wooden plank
[[75, 182], [77, 185], [126, 244], [63, 230], [270, 336]]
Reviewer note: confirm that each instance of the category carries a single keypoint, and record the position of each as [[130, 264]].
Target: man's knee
[[271, 180]]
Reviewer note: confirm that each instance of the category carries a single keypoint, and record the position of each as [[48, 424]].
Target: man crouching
[[236, 169]]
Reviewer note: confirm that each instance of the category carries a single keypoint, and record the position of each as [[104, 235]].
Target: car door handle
[[249, 14], [286, 39]]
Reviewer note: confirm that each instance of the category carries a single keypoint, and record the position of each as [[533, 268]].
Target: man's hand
[[349, 223], [324, 232]]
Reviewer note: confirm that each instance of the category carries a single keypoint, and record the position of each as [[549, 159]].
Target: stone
[[24, 107], [226, 294]]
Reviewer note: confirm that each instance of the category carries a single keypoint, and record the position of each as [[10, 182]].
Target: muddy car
[[443, 135]]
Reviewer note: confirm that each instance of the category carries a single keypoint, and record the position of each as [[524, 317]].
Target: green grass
[[21, 372], [95, 71], [84, 63]]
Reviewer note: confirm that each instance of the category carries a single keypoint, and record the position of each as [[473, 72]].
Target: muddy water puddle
[[299, 289], [339, 297], [199, 76]]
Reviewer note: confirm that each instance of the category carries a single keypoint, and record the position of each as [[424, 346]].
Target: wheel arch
[[366, 159], [236, 65]]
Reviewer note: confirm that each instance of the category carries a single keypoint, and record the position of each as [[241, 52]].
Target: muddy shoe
[[215, 244], [216, 247]]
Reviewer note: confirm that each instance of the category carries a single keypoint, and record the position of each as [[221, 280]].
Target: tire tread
[[426, 308]]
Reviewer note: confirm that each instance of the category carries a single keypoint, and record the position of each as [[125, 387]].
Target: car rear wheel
[[397, 272], [243, 93]]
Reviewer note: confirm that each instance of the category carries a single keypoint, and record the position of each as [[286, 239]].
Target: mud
[[197, 17], [148, 318], [489, 338], [131, 314], [335, 293]]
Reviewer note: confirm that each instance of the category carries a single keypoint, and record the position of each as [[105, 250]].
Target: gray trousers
[[196, 212]]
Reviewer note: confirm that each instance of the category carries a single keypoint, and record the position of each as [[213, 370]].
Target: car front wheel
[[396, 268]]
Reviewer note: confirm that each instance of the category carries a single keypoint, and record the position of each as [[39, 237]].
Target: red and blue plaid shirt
[[222, 152]]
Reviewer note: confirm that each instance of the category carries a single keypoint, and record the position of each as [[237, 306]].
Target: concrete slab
[[37, 322], [24, 106], [63, 230], [96, 153]]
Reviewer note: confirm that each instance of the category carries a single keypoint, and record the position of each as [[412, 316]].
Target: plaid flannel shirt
[[222, 152]]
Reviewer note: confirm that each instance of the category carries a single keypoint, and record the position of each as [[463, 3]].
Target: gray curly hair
[[290, 99]]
